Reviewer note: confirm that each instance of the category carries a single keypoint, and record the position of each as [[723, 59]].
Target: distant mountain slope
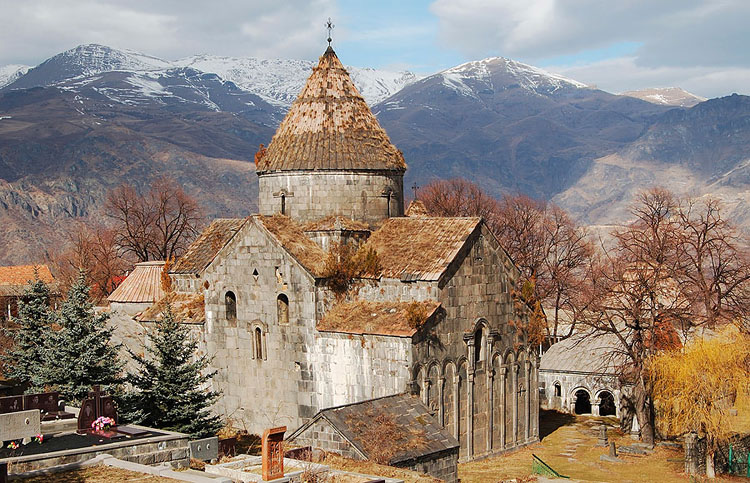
[[699, 151], [9, 73], [105, 116], [667, 96], [276, 81], [509, 125]]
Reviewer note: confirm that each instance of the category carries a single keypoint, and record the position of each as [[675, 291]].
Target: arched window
[[230, 305], [258, 343], [558, 390], [282, 309], [478, 345]]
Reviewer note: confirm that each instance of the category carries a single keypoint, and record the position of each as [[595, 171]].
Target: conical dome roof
[[330, 127]]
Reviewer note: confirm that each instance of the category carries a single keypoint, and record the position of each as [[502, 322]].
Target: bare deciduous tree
[[157, 226], [93, 250], [551, 250]]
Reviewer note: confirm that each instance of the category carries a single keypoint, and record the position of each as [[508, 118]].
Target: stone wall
[[172, 449], [321, 435], [346, 368], [440, 465], [310, 196], [473, 369], [294, 371], [594, 384]]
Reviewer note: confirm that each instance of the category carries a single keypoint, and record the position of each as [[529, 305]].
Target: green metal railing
[[539, 467], [736, 463]]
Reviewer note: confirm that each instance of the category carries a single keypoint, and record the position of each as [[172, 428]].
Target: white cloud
[[31, 31], [624, 73], [706, 40]]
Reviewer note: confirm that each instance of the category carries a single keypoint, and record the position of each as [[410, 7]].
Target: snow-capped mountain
[[667, 96], [277, 82], [483, 74], [9, 73]]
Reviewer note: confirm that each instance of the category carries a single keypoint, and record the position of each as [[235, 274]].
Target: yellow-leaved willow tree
[[695, 388]]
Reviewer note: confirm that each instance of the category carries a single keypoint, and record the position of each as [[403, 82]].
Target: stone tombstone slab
[[47, 402], [87, 415], [205, 449], [20, 425], [273, 453], [108, 408], [11, 404]]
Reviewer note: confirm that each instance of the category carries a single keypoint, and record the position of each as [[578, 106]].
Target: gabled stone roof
[[336, 223], [205, 248], [420, 434], [289, 235], [420, 248], [400, 319], [585, 353], [330, 127], [14, 279], [142, 285], [187, 308]]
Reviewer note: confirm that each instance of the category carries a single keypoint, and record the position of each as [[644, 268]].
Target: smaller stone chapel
[[431, 319]]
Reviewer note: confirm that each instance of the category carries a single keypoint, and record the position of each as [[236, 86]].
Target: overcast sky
[[700, 45]]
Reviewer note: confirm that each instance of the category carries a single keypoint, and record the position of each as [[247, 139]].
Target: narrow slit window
[[258, 343], [230, 305], [282, 309]]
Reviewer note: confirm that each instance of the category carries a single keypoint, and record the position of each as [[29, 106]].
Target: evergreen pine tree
[[169, 389], [22, 362], [81, 353]]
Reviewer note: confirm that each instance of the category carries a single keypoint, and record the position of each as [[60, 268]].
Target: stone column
[[595, 408], [491, 409], [441, 401], [535, 401], [528, 399], [426, 383], [503, 370], [514, 387], [456, 402], [470, 415]]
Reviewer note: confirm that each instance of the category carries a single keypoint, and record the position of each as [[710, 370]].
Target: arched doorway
[[583, 402], [607, 404]]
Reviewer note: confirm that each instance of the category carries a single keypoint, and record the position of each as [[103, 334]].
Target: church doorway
[[583, 402], [607, 404]]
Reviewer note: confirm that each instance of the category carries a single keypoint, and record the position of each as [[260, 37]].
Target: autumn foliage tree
[[155, 226], [695, 388], [670, 269], [93, 250]]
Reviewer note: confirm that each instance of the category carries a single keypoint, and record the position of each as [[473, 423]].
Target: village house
[[15, 279], [430, 316]]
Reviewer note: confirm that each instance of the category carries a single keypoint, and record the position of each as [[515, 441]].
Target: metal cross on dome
[[330, 27]]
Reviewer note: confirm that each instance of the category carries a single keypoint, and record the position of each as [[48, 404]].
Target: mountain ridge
[[509, 126]]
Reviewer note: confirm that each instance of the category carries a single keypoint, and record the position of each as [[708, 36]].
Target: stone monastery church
[[433, 317]]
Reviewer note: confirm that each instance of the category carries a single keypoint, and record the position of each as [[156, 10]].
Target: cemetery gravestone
[[603, 439], [87, 415], [206, 449], [20, 425], [48, 403], [273, 453], [11, 404]]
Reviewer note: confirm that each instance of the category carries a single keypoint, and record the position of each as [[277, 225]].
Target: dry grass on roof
[[335, 223], [202, 251], [290, 235], [15, 278], [419, 247], [381, 318], [186, 307]]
